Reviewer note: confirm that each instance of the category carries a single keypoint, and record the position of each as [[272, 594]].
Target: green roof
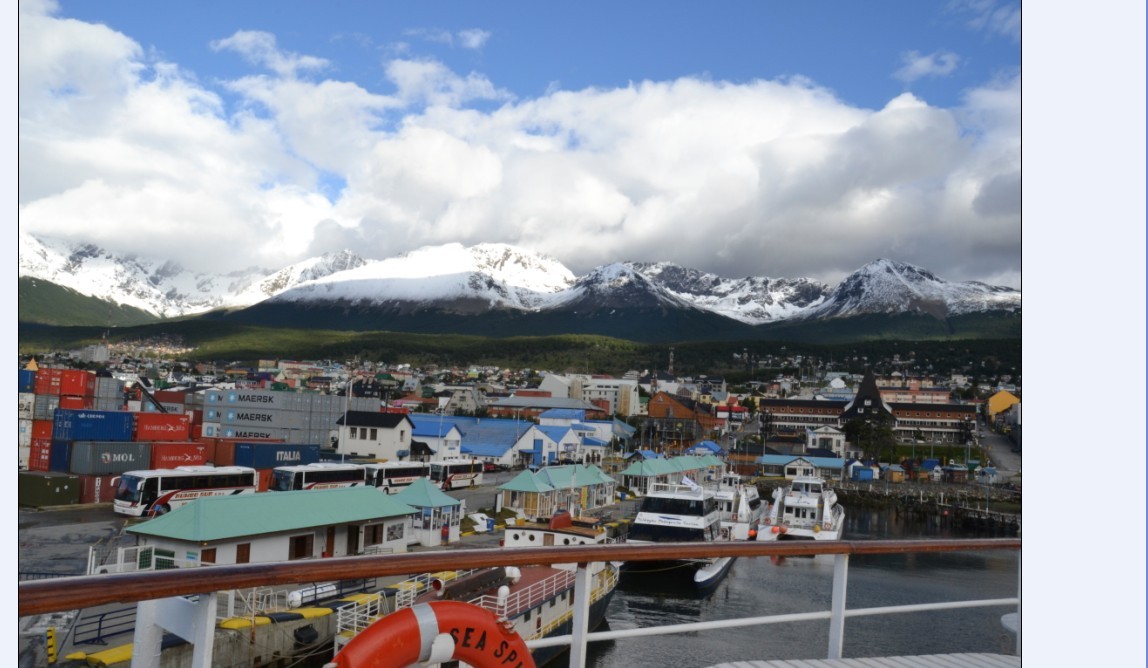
[[423, 494], [550, 478], [526, 482], [222, 517], [657, 467]]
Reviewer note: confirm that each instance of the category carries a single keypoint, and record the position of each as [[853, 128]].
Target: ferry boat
[[742, 508], [807, 509], [671, 513], [533, 601]]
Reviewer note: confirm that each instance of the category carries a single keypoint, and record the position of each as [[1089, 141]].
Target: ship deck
[[920, 661]]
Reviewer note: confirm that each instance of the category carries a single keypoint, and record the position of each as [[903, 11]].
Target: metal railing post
[[1019, 579], [837, 606], [580, 625]]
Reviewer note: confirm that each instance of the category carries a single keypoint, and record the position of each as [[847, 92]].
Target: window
[[302, 547], [373, 534], [354, 432], [207, 555], [243, 553], [374, 434]]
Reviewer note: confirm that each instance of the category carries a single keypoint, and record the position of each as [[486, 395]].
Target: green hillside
[[46, 303]]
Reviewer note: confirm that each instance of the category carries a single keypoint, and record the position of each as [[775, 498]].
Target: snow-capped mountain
[[753, 300], [497, 277], [481, 277], [884, 286]]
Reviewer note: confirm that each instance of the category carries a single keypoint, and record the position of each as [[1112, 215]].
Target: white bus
[[391, 477], [155, 492], [321, 475], [455, 473]]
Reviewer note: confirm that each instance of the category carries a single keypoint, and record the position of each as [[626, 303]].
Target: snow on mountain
[[753, 300], [495, 276], [885, 286], [498, 275]]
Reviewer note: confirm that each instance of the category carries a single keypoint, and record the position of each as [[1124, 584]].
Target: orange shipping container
[[171, 455], [162, 427], [264, 476], [221, 451], [48, 381], [42, 429], [77, 382], [75, 402], [40, 454]]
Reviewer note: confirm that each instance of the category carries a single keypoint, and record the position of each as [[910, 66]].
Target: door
[[243, 553], [352, 540], [329, 551]]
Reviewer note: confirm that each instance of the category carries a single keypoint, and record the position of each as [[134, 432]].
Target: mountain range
[[497, 289]]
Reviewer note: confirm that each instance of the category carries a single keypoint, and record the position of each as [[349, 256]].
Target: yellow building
[[999, 402]]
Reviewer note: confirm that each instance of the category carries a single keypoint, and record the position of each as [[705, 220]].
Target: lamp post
[[346, 416], [968, 439]]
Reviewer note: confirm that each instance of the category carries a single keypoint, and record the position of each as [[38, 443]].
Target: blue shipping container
[[270, 455], [88, 425], [59, 456], [863, 474], [27, 380]]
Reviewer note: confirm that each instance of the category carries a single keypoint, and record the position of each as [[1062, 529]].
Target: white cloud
[[1001, 17], [937, 64], [260, 48], [473, 38], [774, 178]]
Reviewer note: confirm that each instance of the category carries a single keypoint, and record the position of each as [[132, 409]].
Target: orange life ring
[[404, 637]]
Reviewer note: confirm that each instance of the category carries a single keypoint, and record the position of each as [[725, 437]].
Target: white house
[[281, 526], [376, 435]]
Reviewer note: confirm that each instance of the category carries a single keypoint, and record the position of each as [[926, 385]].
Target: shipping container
[[39, 489], [149, 407], [265, 476], [92, 425], [102, 457], [25, 438], [27, 403], [166, 455], [40, 454], [108, 404], [48, 381], [170, 397], [27, 381], [270, 455], [162, 427], [42, 429], [254, 417], [75, 403], [59, 457], [78, 383], [109, 388], [98, 488], [194, 416], [45, 406], [25, 454]]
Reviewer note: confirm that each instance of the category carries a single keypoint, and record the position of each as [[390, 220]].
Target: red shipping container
[[98, 488], [162, 427], [221, 451], [77, 382], [196, 432], [171, 455], [194, 416], [40, 454], [42, 429], [75, 403], [48, 381]]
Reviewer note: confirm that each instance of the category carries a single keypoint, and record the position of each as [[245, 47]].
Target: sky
[[764, 139]]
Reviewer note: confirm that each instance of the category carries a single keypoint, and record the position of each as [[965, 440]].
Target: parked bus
[[391, 477], [455, 473], [321, 475], [156, 491]]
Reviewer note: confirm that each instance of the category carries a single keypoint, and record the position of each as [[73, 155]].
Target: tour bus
[[155, 492], [391, 477], [321, 475], [455, 473]]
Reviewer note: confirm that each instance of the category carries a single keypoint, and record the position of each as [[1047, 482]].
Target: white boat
[[671, 513], [807, 508], [536, 601], [742, 508]]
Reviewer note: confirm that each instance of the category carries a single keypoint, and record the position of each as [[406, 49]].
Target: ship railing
[[528, 597], [410, 589], [156, 592]]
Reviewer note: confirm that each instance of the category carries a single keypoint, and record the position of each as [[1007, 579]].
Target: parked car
[[490, 467]]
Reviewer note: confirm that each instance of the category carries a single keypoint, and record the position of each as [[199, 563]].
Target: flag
[[689, 483]]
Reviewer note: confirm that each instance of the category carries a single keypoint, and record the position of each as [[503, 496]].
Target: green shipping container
[[41, 489]]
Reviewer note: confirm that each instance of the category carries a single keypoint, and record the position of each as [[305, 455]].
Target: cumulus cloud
[[915, 66], [766, 178]]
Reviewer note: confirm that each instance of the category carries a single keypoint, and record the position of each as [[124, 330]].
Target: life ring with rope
[[423, 633]]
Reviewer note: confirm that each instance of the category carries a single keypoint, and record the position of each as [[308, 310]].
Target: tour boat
[[807, 509], [742, 509], [671, 513]]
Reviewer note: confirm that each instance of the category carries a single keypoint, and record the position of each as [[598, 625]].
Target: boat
[[533, 601], [741, 506], [807, 508], [671, 513]]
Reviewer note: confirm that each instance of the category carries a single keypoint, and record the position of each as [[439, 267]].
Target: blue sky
[[741, 138]]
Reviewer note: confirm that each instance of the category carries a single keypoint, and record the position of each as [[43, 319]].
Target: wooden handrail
[[72, 593]]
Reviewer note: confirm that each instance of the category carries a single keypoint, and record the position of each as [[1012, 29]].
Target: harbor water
[[757, 587]]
